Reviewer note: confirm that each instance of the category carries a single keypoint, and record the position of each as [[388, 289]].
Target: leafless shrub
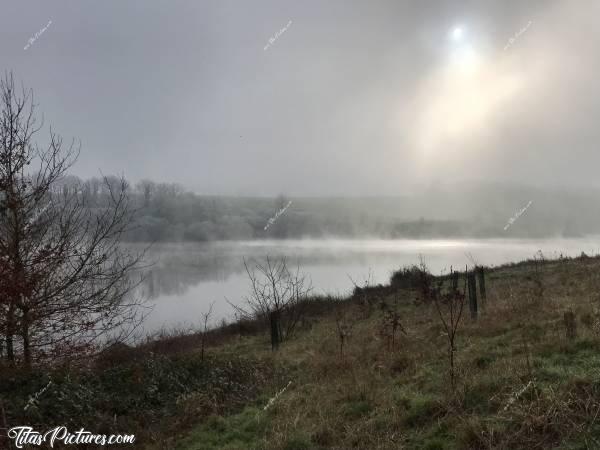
[[343, 328], [365, 294], [277, 296], [391, 324], [426, 286], [449, 307]]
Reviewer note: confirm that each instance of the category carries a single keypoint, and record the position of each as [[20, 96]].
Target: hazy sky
[[354, 97]]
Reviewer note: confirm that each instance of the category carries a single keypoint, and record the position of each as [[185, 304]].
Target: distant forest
[[166, 212]]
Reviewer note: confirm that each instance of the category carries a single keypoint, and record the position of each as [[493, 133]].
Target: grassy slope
[[382, 398]]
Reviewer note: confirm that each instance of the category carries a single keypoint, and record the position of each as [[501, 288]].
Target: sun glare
[[458, 101], [457, 104], [457, 33], [464, 59]]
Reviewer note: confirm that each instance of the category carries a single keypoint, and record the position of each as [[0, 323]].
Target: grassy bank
[[520, 382]]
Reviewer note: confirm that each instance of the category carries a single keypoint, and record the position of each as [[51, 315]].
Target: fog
[[337, 98], [186, 279]]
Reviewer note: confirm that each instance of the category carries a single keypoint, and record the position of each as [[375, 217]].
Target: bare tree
[[65, 279], [277, 295]]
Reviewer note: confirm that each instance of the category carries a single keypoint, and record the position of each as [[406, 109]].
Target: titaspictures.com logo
[[25, 435]]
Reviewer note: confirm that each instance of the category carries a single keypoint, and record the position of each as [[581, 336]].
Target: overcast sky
[[353, 97]]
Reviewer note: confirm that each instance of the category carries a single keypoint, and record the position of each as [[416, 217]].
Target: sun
[[457, 33], [463, 56]]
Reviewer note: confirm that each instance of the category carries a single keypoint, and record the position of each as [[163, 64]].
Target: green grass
[[240, 431]]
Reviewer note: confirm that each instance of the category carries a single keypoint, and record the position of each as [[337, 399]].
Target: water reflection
[[185, 278]]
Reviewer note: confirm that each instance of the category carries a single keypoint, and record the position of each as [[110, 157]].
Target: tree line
[[166, 212]]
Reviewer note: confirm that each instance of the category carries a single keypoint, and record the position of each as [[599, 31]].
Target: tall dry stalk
[[344, 330], [450, 306]]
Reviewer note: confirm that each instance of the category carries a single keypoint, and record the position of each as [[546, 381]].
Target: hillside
[[166, 212], [520, 382]]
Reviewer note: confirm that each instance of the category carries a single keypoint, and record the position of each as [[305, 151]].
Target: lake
[[187, 277]]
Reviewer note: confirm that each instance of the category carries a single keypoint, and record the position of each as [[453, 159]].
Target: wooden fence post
[[472, 295], [481, 276], [454, 278]]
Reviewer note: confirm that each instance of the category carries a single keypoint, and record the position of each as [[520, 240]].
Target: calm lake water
[[187, 277]]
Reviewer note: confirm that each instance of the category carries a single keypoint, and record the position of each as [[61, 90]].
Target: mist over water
[[187, 277]]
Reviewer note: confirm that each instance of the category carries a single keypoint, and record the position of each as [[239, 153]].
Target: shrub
[[410, 277]]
